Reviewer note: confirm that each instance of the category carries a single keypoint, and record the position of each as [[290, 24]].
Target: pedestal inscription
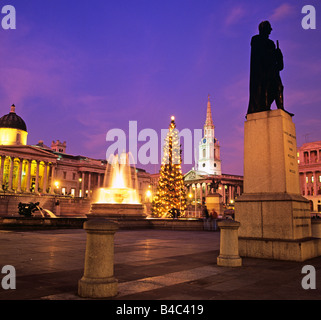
[[270, 163]]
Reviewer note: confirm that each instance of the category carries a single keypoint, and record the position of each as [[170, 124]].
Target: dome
[[12, 120]]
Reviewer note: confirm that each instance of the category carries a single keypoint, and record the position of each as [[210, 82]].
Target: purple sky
[[76, 69]]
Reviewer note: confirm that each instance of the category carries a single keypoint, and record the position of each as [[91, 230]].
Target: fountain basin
[[117, 195], [116, 211]]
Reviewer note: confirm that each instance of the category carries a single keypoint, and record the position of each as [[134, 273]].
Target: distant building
[[309, 159], [209, 161], [48, 171], [208, 177]]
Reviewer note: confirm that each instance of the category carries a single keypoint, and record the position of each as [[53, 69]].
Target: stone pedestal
[[229, 250], [274, 218], [98, 280]]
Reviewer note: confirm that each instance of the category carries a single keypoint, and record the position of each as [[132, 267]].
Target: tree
[[170, 198]]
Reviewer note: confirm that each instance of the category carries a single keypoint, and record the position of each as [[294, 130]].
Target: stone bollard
[[98, 280], [229, 249]]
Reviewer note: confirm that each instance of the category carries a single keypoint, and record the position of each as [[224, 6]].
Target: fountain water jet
[[118, 198]]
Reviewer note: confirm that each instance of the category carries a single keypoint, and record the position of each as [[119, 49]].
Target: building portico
[[25, 169]]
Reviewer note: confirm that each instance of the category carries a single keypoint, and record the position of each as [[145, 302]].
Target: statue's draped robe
[[265, 82]]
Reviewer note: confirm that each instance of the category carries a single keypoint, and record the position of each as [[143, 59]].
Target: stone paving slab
[[149, 265]]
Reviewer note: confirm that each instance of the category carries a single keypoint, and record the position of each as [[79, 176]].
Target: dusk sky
[[77, 69]]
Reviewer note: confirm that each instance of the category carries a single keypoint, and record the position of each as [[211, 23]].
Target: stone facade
[[309, 159]]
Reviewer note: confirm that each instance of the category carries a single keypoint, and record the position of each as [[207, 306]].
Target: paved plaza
[[149, 265]]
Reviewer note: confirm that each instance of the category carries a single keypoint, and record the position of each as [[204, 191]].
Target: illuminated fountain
[[118, 198]]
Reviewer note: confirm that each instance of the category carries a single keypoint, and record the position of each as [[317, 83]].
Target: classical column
[[305, 184], [89, 183], [53, 175], [37, 176], [19, 175], [11, 173], [28, 176], [2, 158], [98, 181], [223, 193], [83, 184], [44, 179], [201, 192], [315, 183]]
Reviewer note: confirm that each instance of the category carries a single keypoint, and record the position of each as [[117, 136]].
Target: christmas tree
[[170, 198]]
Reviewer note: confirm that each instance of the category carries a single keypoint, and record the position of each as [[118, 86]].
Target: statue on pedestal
[[266, 63]]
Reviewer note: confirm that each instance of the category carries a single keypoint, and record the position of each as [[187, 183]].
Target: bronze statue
[[27, 209], [266, 63]]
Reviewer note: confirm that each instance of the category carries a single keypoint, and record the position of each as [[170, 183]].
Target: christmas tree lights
[[170, 198]]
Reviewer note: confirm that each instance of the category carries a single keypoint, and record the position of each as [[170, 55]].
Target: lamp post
[[80, 191]]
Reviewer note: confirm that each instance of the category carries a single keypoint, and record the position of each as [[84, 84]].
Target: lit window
[[306, 179], [319, 178], [312, 179]]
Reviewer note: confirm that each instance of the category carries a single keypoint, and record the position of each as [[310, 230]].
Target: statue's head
[[265, 28]]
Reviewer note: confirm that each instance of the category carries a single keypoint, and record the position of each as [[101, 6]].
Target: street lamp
[[57, 185], [190, 196], [148, 194]]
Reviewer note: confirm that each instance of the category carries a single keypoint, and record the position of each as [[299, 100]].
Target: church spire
[[209, 120]]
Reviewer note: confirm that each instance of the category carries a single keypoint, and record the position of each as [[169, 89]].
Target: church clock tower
[[209, 160]]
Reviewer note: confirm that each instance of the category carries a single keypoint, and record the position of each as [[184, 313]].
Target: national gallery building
[[38, 172]]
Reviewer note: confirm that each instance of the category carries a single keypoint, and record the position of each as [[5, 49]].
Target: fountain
[[30, 209], [118, 199]]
